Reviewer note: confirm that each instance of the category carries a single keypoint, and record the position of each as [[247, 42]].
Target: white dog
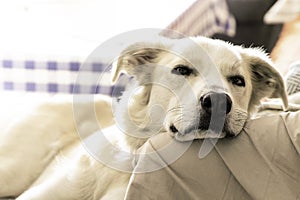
[[190, 88]]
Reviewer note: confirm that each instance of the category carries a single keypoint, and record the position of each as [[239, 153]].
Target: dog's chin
[[198, 134], [191, 134], [206, 129]]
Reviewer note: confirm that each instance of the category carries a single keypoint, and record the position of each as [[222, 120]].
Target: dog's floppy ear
[[136, 61], [266, 80]]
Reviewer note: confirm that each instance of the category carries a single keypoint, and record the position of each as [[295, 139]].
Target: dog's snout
[[220, 102]]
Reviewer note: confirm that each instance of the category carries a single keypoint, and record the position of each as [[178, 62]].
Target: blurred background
[[75, 27], [43, 43]]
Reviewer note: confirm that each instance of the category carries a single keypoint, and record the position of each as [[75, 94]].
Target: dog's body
[[177, 93]]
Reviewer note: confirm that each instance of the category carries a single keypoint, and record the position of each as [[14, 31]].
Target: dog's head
[[189, 86]]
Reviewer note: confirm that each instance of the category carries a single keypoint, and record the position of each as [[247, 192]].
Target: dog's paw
[[278, 106], [270, 106], [293, 107]]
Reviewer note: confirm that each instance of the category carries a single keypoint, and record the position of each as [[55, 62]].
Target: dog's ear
[[266, 80], [137, 60]]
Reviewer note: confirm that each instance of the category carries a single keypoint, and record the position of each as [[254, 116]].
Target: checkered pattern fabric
[[57, 77], [293, 79], [203, 18]]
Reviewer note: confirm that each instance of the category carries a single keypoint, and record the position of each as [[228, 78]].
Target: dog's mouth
[[196, 134], [200, 132], [213, 118], [204, 128], [173, 129]]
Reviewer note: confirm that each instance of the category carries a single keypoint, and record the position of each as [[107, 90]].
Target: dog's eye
[[182, 70], [237, 80]]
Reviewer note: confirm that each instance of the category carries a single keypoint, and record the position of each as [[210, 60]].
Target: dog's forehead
[[206, 52], [190, 52], [226, 57]]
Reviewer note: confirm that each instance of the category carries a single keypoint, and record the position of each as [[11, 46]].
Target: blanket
[[263, 162]]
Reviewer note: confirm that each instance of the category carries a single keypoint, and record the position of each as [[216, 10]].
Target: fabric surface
[[52, 74], [203, 18], [263, 162], [73, 77], [292, 78]]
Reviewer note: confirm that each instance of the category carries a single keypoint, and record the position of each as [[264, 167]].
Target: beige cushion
[[263, 162]]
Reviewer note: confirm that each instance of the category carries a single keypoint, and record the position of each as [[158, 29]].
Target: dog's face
[[193, 85]]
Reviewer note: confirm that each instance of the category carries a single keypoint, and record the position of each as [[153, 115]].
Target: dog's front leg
[[278, 106], [27, 146], [21, 161], [65, 178]]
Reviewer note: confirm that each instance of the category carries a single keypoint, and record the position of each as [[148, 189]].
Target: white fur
[[41, 156]]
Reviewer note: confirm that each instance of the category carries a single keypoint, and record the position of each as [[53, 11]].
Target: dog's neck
[[133, 118]]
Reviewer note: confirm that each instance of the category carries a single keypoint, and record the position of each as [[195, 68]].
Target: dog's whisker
[[175, 109]]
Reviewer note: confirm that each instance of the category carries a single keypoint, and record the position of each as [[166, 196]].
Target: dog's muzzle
[[215, 106], [216, 102]]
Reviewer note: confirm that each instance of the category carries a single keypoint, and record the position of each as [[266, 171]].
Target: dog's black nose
[[220, 102]]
